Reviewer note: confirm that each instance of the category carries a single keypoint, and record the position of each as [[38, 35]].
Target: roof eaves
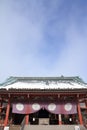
[[9, 81]]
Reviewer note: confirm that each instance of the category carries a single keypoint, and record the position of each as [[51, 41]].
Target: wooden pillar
[[27, 119], [79, 114], [73, 117], [60, 119], [86, 105], [0, 105], [7, 113]]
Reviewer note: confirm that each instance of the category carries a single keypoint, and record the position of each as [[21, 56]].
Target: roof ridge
[[13, 79]]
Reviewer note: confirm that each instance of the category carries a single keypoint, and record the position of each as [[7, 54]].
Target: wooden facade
[[10, 95]]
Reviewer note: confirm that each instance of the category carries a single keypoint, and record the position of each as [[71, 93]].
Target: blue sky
[[43, 38]]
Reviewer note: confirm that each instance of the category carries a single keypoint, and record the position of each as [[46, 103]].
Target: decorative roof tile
[[44, 83]]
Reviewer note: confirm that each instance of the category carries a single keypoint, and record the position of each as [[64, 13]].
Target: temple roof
[[44, 83]]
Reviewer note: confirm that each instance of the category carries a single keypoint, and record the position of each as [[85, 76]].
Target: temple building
[[43, 103]]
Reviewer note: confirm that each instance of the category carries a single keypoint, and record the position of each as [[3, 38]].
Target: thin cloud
[[42, 38]]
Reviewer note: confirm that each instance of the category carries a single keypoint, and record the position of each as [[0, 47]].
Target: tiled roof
[[44, 83]]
